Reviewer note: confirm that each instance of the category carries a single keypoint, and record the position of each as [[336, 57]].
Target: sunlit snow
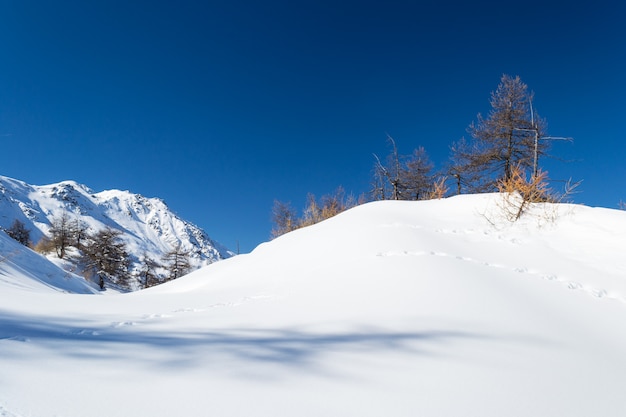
[[149, 228], [433, 308]]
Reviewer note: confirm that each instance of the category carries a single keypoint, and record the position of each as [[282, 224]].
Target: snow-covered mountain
[[396, 308], [148, 226]]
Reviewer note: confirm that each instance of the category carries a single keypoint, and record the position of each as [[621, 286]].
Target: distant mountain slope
[[149, 226]]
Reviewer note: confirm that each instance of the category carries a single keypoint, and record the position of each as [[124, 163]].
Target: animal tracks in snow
[[147, 318], [571, 285], [156, 316], [402, 253], [174, 313]]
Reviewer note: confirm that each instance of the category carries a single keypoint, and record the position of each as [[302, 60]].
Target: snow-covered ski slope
[[434, 308]]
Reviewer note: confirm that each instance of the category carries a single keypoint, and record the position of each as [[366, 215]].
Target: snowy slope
[[148, 224], [22, 268], [432, 308]]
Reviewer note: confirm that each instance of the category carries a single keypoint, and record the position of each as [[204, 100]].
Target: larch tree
[[507, 138], [19, 232], [388, 172], [463, 169], [176, 261], [62, 234], [284, 218], [79, 231], [147, 272], [402, 177], [416, 179], [106, 258]]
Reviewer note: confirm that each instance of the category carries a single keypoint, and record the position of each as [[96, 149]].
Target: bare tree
[[106, 258], [409, 177], [315, 211], [464, 169], [19, 232], [78, 233], [379, 181], [312, 212], [416, 179], [147, 273], [506, 138], [176, 261], [284, 218], [61, 234], [389, 172], [335, 203]]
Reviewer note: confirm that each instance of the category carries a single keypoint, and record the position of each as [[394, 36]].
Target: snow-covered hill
[[434, 308], [22, 268], [147, 224]]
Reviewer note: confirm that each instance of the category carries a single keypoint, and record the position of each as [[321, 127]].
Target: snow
[[24, 269], [149, 227], [433, 308]]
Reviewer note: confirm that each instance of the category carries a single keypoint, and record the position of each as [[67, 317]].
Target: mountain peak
[[149, 227]]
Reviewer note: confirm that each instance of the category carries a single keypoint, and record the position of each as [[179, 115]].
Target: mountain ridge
[[148, 225]]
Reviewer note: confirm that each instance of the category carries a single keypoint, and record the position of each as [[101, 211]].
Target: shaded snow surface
[[435, 308]]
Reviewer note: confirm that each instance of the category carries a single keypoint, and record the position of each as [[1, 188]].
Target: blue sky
[[221, 107]]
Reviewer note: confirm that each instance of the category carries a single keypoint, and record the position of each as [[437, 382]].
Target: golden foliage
[[44, 246], [519, 192], [285, 219], [438, 190]]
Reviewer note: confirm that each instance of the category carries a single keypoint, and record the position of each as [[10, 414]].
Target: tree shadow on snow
[[129, 341]]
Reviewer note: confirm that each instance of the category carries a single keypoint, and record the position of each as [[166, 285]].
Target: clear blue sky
[[220, 107]]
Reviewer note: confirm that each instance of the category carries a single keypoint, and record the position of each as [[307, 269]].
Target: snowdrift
[[435, 308]]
